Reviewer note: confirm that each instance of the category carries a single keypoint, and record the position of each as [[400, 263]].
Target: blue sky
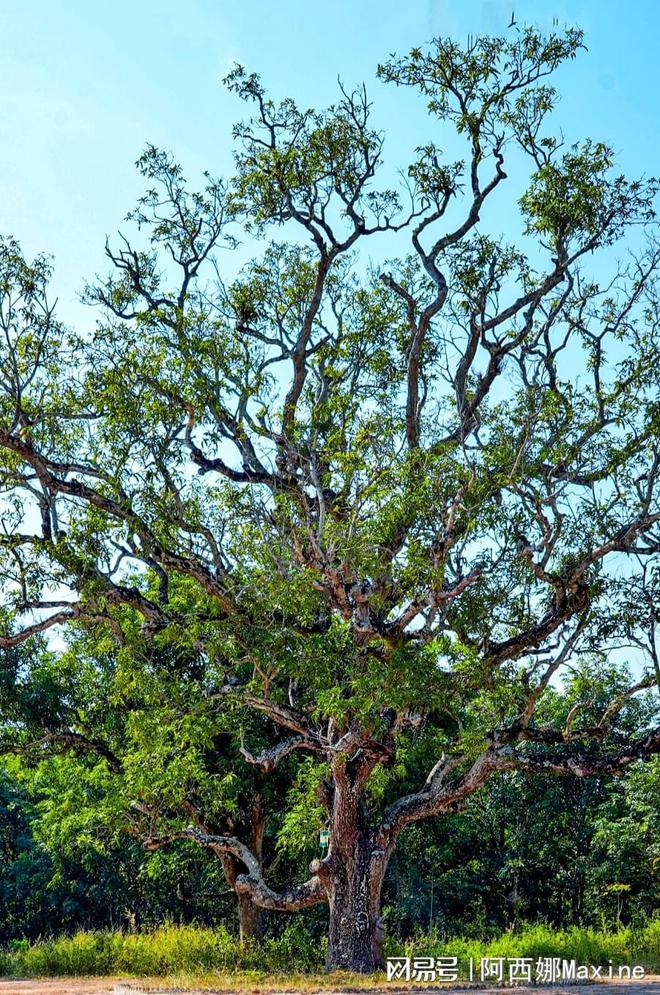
[[85, 85]]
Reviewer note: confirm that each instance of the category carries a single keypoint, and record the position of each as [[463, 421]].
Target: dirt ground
[[117, 986]]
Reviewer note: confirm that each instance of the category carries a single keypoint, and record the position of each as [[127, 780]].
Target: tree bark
[[250, 923], [355, 940], [250, 915], [354, 877]]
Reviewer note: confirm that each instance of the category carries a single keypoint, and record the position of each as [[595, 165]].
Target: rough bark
[[250, 920], [355, 939], [250, 915], [356, 866]]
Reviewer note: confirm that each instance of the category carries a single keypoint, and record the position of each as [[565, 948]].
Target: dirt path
[[117, 986]]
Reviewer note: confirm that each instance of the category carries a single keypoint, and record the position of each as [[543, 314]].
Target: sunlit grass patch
[[192, 956]]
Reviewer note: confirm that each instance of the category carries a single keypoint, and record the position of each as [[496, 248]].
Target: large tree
[[386, 506]]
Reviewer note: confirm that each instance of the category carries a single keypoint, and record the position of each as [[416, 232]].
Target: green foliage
[[304, 818], [174, 950], [586, 946], [402, 523]]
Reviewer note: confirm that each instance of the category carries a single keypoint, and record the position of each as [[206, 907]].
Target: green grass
[[586, 946], [196, 953], [163, 951]]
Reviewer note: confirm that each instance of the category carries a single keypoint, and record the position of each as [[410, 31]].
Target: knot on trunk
[[321, 869]]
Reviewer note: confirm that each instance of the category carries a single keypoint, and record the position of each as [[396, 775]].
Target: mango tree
[[386, 505]]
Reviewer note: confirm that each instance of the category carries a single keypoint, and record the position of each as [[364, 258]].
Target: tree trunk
[[250, 915], [249, 920], [355, 871], [355, 941]]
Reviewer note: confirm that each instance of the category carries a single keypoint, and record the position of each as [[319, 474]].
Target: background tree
[[129, 739], [386, 509], [534, 849]]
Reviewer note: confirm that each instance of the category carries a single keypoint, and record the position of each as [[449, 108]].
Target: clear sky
[[84, 85]]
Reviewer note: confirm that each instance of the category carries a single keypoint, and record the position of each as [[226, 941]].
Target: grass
[[164, 951], [190, 956], [586, 946]]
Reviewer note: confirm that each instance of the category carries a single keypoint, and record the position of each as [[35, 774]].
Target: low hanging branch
[[252, 883]]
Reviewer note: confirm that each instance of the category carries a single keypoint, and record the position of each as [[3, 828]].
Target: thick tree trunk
[[355, 871], [355, 941]]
